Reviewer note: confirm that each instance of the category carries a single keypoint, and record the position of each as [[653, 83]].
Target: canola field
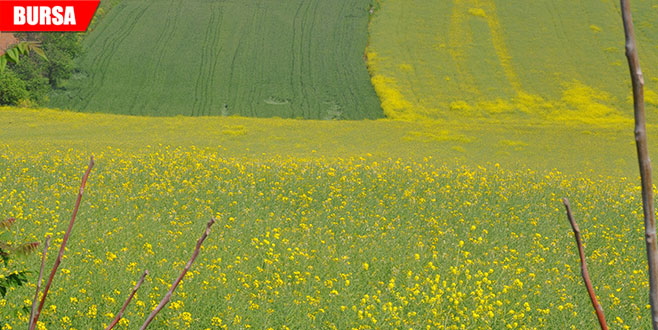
[[290, 59], [545, 61], [372, 236], [337, 244]]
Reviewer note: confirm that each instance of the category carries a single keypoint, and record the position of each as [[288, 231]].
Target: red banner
[[46, 15]]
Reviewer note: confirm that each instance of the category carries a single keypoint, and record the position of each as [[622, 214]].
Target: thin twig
[[132, 294], [36, 294], [166, 298], [641, 144], [583, 267], [63, 246], [5, 224]]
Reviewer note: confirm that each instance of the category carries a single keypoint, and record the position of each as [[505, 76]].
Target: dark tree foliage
[[61, 49], [12, 90], [30, 74], [41, 76], [15, 278]]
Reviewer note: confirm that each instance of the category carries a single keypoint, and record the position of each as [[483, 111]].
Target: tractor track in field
[[203, 84], [257, 91], [304, 61], [85, 97], [216, 57], [138, 103], [497, 60], [233, 100], [253, 48], [109, 49], [344, 71], [313, 74], [255, 58], [408, 54], [309, 47], [162, 44], [293, 61]]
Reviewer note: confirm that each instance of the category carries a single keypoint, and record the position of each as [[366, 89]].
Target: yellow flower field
[[547, 61], [338, 243]]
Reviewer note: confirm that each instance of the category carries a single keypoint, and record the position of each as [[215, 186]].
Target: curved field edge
[[546, 61], [292, 59]]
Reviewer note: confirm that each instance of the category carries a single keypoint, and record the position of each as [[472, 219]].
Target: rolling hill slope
[[291, 59], [509, 60]]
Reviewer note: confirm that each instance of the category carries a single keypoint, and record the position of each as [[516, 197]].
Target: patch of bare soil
[[6, 39]]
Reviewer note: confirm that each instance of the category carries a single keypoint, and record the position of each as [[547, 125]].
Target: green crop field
[[509, 60], [291, 59]]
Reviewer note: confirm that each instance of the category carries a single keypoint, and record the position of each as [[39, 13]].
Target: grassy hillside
[[324, 224], [509, 60], [291, 59]]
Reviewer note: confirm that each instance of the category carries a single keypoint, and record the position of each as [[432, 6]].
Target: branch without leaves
[[5, 224], [637, 80], [167, 297], [36, 294], [583, 267], [125, 305], [63, 246]]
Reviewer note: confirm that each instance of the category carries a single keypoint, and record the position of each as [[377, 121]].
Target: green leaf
[[3, 290], [23, 48], [39, 51], [4, 256], [23, 275], [13, 280], [16, 279], [13, 54], [3, 63]]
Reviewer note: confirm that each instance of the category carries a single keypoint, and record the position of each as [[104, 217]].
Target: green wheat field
[[290, 59]]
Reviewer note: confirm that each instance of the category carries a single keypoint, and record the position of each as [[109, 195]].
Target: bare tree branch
[[132, 294], [166, 298], [583, 268], [36, 294], [5, 224], [641, 143], [63, 246]]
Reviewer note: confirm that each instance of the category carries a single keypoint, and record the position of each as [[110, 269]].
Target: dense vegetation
[[33, 78]]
